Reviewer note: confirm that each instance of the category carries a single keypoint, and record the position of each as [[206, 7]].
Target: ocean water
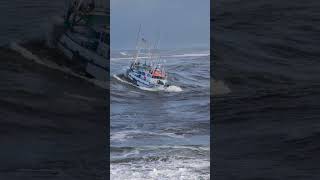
[[161, 134], [267, 54], [63, 139], [29, 19]]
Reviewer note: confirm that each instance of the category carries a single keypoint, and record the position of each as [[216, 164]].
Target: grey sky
[[181, 23]]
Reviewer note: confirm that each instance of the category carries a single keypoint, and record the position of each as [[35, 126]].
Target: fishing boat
[[150, 73], [85, 37]]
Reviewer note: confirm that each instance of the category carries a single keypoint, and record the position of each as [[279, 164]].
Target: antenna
[[155, 47], [157, 42], [138, 37]]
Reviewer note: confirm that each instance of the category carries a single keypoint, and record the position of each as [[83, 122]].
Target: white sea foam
[[194, 148], [122, 80], [129, 134], [123, 135], [172, 168], [123, 53], [173, 89], [126, 154]]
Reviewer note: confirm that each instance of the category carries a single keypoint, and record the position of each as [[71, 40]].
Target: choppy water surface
[[162, 134], [63, 139], [267, 53], [29, 19]]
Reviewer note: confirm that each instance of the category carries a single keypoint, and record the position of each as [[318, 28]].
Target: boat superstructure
[[147, 71], [86, 36]]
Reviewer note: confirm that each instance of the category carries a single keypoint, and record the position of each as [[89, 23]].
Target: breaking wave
[[161, 168], [128, 134]]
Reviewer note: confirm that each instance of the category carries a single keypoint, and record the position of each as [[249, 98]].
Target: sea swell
[[266, 53]]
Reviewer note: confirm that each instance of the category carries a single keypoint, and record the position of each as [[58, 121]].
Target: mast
[[137, 43], [156, 44]]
